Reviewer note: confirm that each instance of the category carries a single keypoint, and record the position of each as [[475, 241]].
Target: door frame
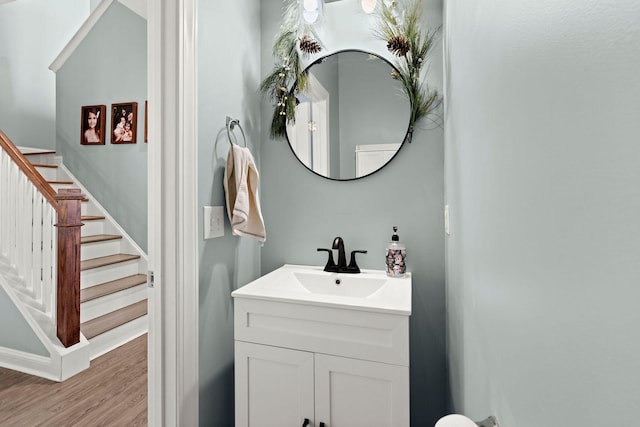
[[172, 205]]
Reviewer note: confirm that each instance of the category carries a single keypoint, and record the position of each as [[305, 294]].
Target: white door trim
[[173, 181]]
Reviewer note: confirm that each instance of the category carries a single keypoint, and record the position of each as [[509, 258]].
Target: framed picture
[[124, 119], [92, 125]]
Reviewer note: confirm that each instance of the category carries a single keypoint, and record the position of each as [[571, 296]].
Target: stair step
[[60, 182], [99, 238], [106, 260], [91, 218], [108, 288], [114, 319], [36, 152], [44, 165]]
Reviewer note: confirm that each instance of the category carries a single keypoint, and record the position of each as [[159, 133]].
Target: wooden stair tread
[[91, 218], [36, 153], [111, 287], [99, 325], [60, 182], [44, 165], [99, 238], [106, 260]]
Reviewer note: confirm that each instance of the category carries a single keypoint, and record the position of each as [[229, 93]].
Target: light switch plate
[[213, 221], [446, 220]]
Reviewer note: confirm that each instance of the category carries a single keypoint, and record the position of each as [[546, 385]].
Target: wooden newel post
[[68, 299]]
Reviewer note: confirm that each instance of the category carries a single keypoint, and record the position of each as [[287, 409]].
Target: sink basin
[[370, 290], [339, 285]]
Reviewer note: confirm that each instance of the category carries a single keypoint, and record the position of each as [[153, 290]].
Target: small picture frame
[[124, 120], [92, 125]]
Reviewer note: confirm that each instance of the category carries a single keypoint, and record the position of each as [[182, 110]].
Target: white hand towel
[[241, 188]]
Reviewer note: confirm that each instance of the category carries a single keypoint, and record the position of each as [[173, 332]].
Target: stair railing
[[49, 262]]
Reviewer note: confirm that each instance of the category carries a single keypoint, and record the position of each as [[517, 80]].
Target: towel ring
[[232, 123]]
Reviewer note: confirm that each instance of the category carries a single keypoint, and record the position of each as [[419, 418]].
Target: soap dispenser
[[396, 256]]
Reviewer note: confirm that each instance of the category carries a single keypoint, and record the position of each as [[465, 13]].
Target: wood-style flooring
[[112, 392]]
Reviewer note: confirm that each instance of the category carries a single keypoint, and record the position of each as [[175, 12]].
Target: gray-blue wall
[[32, 34], [109, 66], [16, 332], [228, 80], [543, 179], [373, 109], [303, 212]]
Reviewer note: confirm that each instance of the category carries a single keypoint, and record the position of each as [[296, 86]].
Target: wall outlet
[[213, 221]]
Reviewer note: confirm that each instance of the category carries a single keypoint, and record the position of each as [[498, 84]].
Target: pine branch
[[406, 40]]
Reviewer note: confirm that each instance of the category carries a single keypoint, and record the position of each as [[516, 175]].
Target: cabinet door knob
[[306, 422]]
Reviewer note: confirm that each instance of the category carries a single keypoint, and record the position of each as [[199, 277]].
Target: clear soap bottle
[[396, 256]]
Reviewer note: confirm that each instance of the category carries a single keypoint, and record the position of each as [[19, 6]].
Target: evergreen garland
[[287, 77], [406, 41]]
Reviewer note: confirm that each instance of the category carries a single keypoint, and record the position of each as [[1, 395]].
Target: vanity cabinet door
[[274, 386], [358, 393]]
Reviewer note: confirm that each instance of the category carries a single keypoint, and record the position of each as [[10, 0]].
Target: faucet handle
[[352, 263], [331, 265]]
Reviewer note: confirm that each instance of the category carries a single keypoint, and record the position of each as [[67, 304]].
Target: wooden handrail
[[29, 170]]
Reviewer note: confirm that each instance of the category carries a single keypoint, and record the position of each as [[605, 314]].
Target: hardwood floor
[[112, 392]]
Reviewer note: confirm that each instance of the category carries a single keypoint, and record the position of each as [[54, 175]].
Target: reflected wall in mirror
[[352, 118]]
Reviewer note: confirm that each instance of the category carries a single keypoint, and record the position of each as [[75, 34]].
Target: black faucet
[[341, 266], [338, 244]]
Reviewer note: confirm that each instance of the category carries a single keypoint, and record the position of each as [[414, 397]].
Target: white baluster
[[28, 236], [25, 233], [34, 245], [36, 241], [21, 229], [4, 179], [13, 184], [49, 257]]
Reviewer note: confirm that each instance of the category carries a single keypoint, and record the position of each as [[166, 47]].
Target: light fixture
[[368, 6], [311, 10]]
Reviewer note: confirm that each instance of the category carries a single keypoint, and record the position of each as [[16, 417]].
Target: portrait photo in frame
[[93, 125], [124, 119]]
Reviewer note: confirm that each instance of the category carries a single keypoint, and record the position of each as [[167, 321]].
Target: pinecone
[[309, 45], [398, 45]]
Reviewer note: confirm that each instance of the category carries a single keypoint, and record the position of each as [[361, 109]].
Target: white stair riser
[[49, 174], [57, 187], [99, 249], [92, 227], [109, 340], [42, 159], [108, 273], [108, 303], [89, 209]]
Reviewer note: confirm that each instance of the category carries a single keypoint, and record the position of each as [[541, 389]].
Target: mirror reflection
[[352, 118]]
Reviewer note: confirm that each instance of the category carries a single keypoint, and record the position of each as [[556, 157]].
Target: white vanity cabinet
[[274, 386], [338, 366]]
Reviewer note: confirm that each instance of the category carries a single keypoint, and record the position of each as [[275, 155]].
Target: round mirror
[[352, 118]]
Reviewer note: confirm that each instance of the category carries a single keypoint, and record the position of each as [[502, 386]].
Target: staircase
[[113, 281]]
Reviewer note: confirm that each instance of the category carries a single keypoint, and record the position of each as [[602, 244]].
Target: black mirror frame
[[407, 136]]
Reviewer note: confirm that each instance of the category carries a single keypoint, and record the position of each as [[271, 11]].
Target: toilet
[[457, 420]]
